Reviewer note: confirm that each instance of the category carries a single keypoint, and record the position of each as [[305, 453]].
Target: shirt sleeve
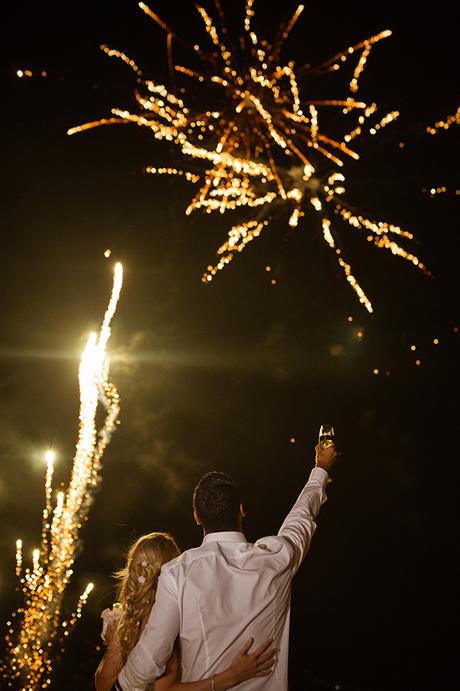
[[148, 658], [299, 525]]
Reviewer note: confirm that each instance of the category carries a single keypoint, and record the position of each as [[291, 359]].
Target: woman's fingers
[[266, 664], [243, 651], [261, 660], [245, 648], [262, 648], [259, 663], [269, 655]]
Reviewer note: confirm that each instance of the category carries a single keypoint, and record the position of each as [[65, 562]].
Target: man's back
[[232, 590], [216, 596]]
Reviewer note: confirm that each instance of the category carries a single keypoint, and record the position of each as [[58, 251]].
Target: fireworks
[[260, 141], [445, 124], [440, 191], [37, 624], [437, 128]]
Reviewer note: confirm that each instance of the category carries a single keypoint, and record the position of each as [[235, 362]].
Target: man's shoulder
[[265, 547], [187, 556]]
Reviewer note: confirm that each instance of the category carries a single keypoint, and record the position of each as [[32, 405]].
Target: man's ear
[[198, 521], [242, 511]]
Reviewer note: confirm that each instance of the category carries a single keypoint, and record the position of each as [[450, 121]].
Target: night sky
[[222, 376]]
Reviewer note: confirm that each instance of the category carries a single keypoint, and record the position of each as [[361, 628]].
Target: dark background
[[222, 376]]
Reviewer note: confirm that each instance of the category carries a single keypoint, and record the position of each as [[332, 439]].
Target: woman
[[124, 624]]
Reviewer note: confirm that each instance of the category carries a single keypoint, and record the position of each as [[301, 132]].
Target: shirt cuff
[[320, 475]]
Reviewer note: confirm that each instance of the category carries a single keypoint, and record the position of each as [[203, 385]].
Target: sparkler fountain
[[37, 626]]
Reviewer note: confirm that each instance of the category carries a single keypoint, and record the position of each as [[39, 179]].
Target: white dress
[[110, 618]]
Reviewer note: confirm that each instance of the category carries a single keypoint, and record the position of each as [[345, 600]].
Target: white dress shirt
[[218, 595]]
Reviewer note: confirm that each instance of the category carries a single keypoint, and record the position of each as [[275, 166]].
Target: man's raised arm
[[299, 526], [147, 660]]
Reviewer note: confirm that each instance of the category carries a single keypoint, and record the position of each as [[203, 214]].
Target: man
[[216, 596]]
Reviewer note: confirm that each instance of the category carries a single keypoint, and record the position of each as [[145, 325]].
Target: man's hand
[[326, 457]]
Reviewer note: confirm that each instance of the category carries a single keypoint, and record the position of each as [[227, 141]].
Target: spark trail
[[38, 626]]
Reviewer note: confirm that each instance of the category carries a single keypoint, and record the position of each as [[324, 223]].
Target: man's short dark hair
[[217, 500]]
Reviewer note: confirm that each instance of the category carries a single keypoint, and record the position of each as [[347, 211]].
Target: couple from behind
[[190, 621]]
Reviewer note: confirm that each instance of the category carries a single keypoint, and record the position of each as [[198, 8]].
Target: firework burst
[[37, 626], [247, 126]]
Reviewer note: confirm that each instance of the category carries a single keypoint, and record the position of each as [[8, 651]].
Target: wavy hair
[[138, 584]]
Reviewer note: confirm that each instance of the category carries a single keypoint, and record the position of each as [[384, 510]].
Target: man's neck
[[236, 529]]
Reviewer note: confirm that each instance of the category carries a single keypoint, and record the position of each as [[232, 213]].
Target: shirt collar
[[224, 536]]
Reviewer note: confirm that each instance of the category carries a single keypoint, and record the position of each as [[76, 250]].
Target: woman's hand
[[244, 666], [110, 619], [108, 635], [247, 665]]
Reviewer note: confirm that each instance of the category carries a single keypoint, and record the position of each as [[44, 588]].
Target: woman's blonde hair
[[138, 584]]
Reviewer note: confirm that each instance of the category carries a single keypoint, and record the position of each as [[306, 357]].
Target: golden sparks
[[445, 124], [30, 73], [441, 190], [258, 136], [31, 643]]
